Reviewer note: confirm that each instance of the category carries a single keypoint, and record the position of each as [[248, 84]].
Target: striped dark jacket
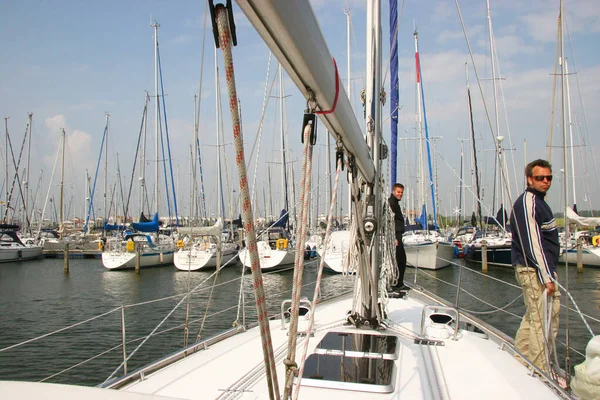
[[534, 235]]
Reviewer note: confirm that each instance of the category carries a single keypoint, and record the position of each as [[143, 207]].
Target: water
[[37, 297]]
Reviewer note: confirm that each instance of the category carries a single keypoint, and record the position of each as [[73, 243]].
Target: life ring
[[596, 240], [281, 244]]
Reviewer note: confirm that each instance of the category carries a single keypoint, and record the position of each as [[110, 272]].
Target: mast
[[394, 88], [283, 161], [62, 185], [349, 85], [193, 203], [6, 169], [569, 123], [143, 156], [106, 171], [494, 78], [373, 130], [566, 173], [220, 206], [419, 127], [26, 202], [472, 128], [155, 26]]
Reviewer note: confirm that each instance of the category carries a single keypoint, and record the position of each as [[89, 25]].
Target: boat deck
[[473, 366]]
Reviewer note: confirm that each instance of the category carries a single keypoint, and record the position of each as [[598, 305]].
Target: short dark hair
[[398, 186], [537, 163]]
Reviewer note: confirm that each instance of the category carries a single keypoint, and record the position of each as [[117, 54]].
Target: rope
[[290, 364], [59, 330], [319, 276], [265, 334], [579, 311]]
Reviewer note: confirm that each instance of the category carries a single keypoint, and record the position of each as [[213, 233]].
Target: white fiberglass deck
[[472, 367]]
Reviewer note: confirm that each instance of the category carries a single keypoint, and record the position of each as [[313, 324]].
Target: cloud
[[79, 154], [583, 16], [184, 38]]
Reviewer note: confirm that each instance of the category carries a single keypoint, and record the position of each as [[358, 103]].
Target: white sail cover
[[214, 230], [581, 221]]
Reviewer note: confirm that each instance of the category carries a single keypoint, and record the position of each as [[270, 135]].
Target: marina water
[[37, 298]]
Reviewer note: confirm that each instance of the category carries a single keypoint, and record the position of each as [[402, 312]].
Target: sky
[[71, 62]]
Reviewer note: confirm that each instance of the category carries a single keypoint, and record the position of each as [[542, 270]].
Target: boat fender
[[130, 246], [180, 244], [586, 383], [100, 245], [596, 240], [281, 244]]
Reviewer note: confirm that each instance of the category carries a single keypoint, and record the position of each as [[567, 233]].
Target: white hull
[[117, 260], [590, 257], [270, 260], [10, 254], [429, 255], [196, 260], [337, 252]]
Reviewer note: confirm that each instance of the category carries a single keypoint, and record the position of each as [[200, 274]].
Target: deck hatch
[[350, 373], [359, 345]]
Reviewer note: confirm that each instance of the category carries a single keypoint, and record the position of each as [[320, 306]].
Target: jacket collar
[[535, 192]]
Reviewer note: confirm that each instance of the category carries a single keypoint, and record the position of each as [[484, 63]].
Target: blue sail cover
[[151, 226], [423, 218], [114, 227], [394, 86], [283, 219]]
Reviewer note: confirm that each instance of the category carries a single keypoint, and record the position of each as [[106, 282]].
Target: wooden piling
[[137, 260], [66, 258], [579, 255], [484, 260]]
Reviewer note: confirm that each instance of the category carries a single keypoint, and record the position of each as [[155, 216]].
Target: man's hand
[[550, 287], [396, 242]]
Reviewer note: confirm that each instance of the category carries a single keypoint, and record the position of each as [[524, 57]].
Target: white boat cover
[[581, 221], [214, 230]]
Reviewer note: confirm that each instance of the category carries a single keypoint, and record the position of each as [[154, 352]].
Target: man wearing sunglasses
[[535, 252]]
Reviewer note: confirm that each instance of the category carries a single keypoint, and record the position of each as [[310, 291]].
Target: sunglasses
[[540, 178]]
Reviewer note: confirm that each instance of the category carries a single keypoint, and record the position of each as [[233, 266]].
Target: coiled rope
[[247, 215]]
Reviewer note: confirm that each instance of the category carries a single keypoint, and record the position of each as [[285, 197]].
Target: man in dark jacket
[[394, 200], [535, 252]]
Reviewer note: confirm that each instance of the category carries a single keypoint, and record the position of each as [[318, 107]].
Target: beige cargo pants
[[530, 336]]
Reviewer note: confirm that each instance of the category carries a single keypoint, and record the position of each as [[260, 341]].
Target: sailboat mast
[[563, 83], [419, 121], [155, 26], [474, 147], [62, 185], [373, 130], [26, 202], [283, 161], [218, 119], [570, 124], [6, 169], [143, 156], [348, 21], [106, 170], [494, 85], [193, 203]]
